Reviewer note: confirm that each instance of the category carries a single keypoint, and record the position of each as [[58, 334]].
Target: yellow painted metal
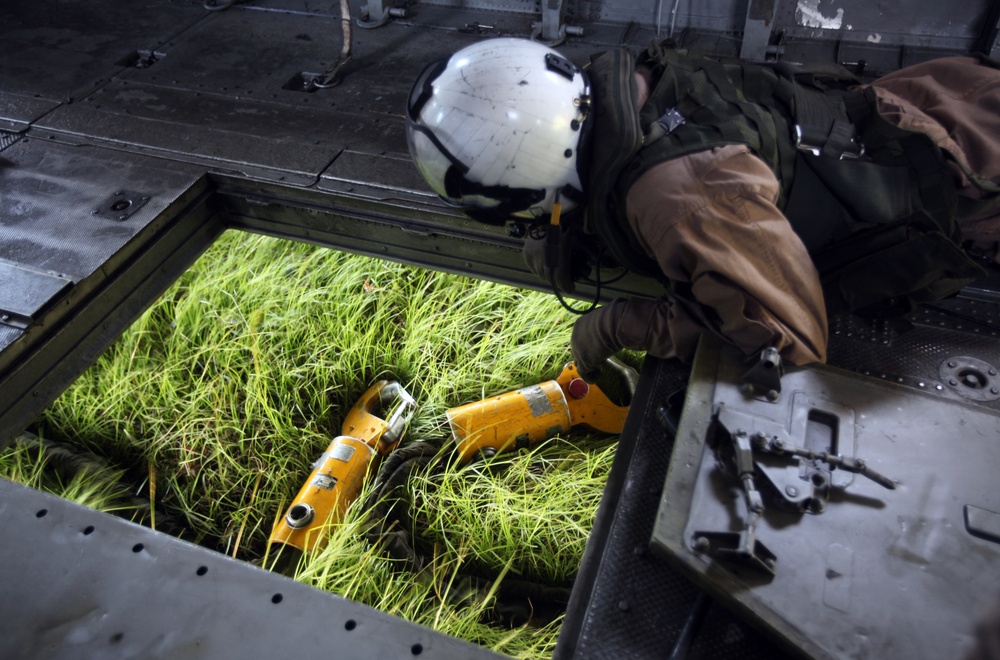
[[512, 419], [339, 474], [531, 414], [335, 482], [594, 409], [362, 422]]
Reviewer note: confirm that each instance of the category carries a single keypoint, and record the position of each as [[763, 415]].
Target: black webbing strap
[[759, 109], [888, 144], [390, 528], [772, 93], [823, 124], [616, 138]]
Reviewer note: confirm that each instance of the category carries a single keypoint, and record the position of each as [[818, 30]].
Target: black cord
[[391, 528], [567, 306], [538, 232], [598, 283]]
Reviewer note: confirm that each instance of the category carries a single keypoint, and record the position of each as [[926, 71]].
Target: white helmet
[[496, 129]]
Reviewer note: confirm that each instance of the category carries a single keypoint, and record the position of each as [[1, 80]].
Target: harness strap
[[890, 145]]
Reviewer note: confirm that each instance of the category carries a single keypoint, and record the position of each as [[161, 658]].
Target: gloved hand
[[534, 256], [635, 323], [549, 248], [595, 338]]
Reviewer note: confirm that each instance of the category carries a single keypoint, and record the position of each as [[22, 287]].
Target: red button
[[578, 388]]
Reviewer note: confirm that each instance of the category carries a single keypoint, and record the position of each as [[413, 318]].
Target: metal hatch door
[[899, 563]]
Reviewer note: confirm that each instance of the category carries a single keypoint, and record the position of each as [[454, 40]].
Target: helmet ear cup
[[498, 126]]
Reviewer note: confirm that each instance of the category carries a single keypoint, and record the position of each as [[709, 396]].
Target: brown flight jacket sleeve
[[710, 220]]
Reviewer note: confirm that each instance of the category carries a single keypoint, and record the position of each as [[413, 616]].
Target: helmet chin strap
[[510, 200]]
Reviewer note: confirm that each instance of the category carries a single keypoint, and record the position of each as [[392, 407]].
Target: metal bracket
[[741, 448], [551, 30], [120, 205], [778, 447], [795, 486], [757, 30], [764, 377], [741, 547], [26, 292], [799, 478], [374, 15]]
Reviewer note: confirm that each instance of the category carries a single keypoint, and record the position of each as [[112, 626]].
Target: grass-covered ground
[[204, 418]]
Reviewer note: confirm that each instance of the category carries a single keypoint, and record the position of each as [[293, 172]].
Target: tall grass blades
[[217, 400]]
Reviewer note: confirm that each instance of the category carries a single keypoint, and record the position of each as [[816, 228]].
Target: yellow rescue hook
[[531, 414], [339, 474]]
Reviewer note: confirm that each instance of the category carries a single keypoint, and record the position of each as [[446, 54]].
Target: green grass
[[216, 401]]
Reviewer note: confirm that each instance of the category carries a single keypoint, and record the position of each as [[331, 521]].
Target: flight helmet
[[496, 129]]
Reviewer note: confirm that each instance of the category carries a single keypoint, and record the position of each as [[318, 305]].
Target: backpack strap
[[617, 137]]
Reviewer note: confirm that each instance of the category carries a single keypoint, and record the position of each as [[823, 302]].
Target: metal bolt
[[953, 382], [772, 395], [994, 390], [792, 491], [952, 364], [701, 544], [746, 389], [992, 372]]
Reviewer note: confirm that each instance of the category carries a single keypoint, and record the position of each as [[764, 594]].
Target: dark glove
[[552, 249], [595, 338], [637, 324]]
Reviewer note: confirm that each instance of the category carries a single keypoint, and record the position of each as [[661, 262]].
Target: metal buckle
[[816, 150]]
